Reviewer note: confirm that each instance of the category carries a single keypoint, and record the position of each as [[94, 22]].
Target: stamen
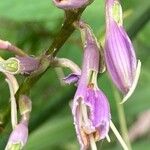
[[84, 122], [83, 118], [92, 142], [108, 138], [84, 113], [117, 134], [138, 70]]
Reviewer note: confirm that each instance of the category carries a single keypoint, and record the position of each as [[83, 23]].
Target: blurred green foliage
[[32, 25]]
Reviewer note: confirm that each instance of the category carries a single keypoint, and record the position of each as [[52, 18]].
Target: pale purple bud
[[18, 137], [119, 52], [28, 64], [71, 4], [90, 107], [23, 65]]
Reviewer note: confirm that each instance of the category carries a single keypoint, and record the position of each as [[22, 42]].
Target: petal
[[71, 78], [120, 57], [131, 90], [99, 111], [97, 119]]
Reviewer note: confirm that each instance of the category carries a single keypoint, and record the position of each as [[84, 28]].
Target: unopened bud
[[71, 4], [120, 56], [28, 64], [18, 137]]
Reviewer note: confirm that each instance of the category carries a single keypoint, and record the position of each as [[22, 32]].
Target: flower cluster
[[90, 107], [21, 64]]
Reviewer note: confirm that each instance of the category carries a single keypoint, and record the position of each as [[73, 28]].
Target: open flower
[[120, 57], [90, 106]]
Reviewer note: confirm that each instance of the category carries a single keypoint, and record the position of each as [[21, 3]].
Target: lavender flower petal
[[72, 78], [98, 119], [120, 58]]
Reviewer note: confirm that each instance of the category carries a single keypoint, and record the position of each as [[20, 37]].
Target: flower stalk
[[122, 119], [118, 136], [12, 48], [13, 87]]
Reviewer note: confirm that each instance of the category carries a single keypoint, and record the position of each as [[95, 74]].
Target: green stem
[[122, 118], [65, 32]]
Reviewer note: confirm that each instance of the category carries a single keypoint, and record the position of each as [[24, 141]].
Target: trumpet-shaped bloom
[[120, 56], [90, 106]]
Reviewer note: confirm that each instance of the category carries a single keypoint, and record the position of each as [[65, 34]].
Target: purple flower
[[18, 137], [119, 52], [71, 4], [90, 106]]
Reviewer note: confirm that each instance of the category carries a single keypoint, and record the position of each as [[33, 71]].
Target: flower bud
[[18, 137], [120, 57], [15, 65], [28, 64], [71, 4]]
